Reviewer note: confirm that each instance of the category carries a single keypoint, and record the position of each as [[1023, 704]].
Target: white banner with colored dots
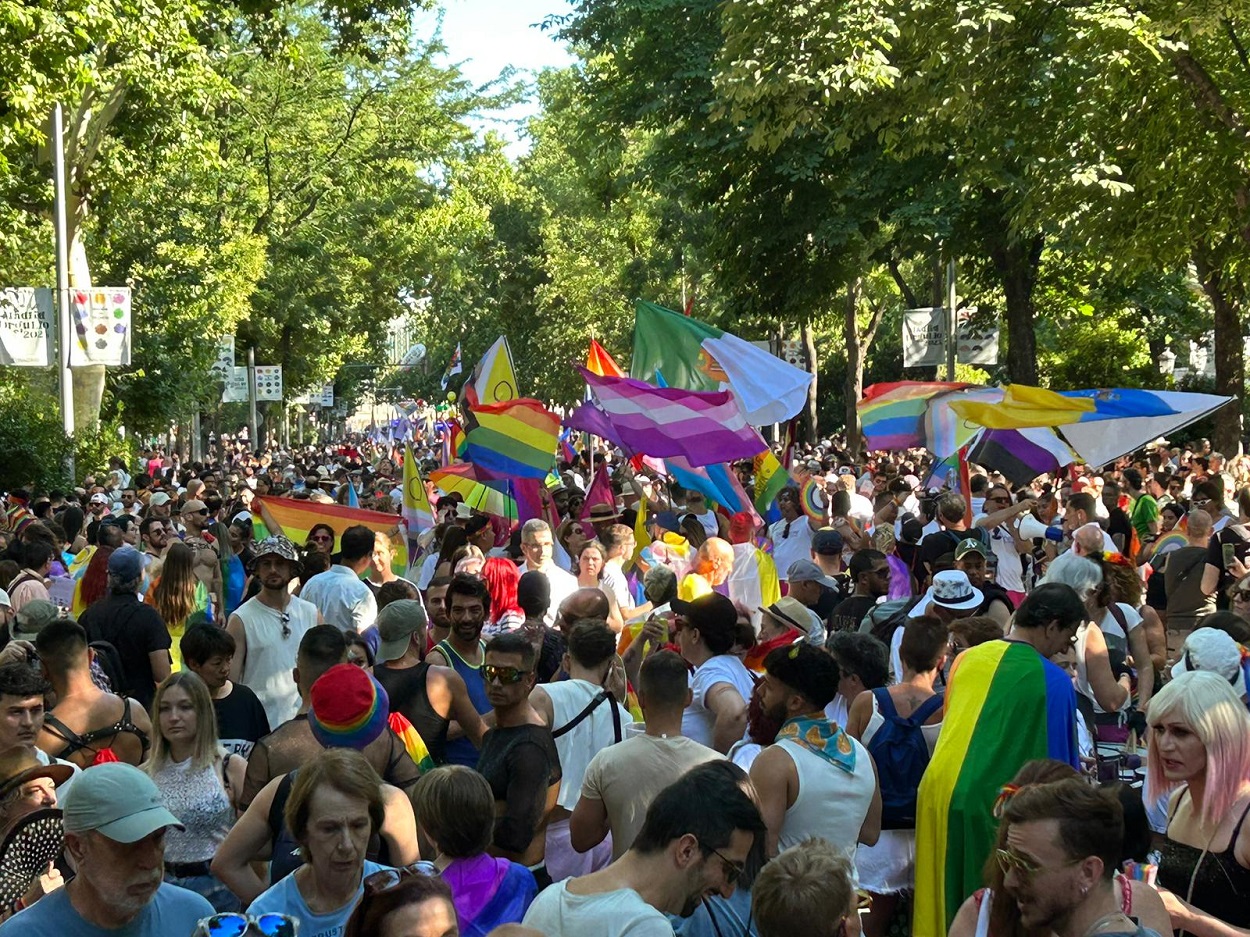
[[100, 318]]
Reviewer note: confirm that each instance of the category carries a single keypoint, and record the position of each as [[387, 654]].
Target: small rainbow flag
[[516, 438], [892, 415], [296, 518]]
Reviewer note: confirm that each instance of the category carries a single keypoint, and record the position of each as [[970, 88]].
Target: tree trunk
[[809, 351], [1016, 260], [854, 373], [1230, 365]]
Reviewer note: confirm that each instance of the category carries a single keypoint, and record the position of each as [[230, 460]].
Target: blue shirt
[[285, 898], [172, 910]]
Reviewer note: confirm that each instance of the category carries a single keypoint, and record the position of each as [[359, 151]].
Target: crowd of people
[[893, 704]]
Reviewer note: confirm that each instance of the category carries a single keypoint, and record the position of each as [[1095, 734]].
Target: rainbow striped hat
[[349, 708]]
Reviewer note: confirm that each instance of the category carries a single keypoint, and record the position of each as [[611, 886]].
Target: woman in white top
[[888, 867], [705, 632], [198, 780]]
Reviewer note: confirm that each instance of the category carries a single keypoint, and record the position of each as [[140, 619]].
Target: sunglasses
[[733, 870], [387, 879], [503, 675], [321, 538], [236, 925], [1010, 861]]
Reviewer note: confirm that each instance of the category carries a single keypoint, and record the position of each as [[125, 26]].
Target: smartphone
[[1230, 553]]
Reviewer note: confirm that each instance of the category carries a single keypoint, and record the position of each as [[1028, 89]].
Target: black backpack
[[902, 754], [110, 664]]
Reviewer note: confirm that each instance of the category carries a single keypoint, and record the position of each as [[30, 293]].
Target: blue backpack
[[901, 754]]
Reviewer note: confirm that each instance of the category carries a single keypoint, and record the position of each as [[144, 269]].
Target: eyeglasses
[[504, 675], [1010, 861], [733, 870], [322, 538], [387, 879], [235, 925], [203, 512]]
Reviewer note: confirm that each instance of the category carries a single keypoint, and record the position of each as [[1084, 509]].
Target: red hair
[[95, 577], [501, 577]]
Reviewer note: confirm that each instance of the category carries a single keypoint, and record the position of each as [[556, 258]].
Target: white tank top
[[830, 804], [271, 655], [580, 744]]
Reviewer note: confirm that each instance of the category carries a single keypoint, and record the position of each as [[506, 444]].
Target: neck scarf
[[821, 737]]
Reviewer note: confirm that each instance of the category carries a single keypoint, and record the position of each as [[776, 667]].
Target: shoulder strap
[[278, 805], [1118, 614], [927, 709], [582, 716], [884, 703], [56, 727]]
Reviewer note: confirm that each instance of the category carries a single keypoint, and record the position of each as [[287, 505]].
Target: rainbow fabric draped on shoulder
[[1005, 705]]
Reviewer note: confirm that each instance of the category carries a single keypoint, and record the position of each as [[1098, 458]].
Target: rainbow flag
[[891, 416], [770, 478], [516, 438], [1005, 705], [296, 518]]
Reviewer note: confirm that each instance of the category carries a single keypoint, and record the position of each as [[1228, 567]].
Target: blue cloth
[[461, 751], [213, 889], [236, 577], [285, 898], [172, 910], [718, 917]]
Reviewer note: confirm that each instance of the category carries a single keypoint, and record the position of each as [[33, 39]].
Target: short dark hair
[[202, 642], [533, 594], [1091, 820], [395, 591], [1083, 501], [1050, 602], [707, 802], [1230, 623], [513, 643], [21, 680], [470, 587], [591, 642], [321, 647], [806, 670], [925, 639], [145, 525], [61, 644], [1132, 477], [375, 907], [663, 680], [861, 654], [863, 561], [357, 543], [37, 552]]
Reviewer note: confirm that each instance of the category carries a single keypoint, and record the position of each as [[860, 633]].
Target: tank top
[[1221, 885], [197, 798], [579, 744], [831, 804], [271, 654], [461, 751], [405, 687], [876, 721]]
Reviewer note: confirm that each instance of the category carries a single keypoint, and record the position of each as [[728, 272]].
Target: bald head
[[1199, 524], [715, 560], [1087, 539], [590, 602]]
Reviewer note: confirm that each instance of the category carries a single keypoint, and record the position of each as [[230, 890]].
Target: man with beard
[[436, 608], [694, 844], [154, 534], [267, 629], [463, 650], [115, 824], [815, 780]]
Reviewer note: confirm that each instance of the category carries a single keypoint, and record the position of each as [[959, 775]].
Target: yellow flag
[[1023, 406], [642, 539], [494, 380]]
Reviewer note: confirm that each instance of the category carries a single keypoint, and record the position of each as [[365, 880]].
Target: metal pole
[[61, 227], [951, 320], [197, 450], [253, 437]]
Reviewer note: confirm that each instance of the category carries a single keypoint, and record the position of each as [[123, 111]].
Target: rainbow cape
[[1005, 705]]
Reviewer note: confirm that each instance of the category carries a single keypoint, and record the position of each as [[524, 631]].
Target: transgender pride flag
[[666, 422]]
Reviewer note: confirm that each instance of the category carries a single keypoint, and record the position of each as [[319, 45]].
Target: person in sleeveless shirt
[[428, 696], [1199, 750], [198, 781], [267, 629], [87, 726], [815, 780], [468, 605]]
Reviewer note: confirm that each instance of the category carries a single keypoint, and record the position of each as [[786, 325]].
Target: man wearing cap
[[429, 697], [28, 785], [1215, 651], [869, 574], [971, 557], [951, 596], [158, 505], [705, 634], [134, 628], [792, 535], [267, 630], [115, 822], [819, 592]]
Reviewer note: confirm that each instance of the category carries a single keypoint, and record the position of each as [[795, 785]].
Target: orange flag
[[600, 362]]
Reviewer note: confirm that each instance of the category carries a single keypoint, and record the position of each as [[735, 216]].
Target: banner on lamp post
[[268, 382], [924, 338], [27, 327], [100, 317], [235, 390]]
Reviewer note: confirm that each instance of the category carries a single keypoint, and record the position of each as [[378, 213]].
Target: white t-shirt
[[698, 721], [708, 520], [558, 913], [1010, 573], [792, 541]]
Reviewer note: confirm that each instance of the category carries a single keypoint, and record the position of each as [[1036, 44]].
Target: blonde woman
[[180, 596], [198, 781]]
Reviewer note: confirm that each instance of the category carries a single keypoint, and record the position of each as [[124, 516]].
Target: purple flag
[[666, 422]]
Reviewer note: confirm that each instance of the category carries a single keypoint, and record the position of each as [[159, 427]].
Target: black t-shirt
[[829, 600], [1119, 525], [851, 611], [241, 720], [136, 630], [520, 763], [1238, 536]]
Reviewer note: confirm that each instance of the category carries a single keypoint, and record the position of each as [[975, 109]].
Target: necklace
[[1107, 919]]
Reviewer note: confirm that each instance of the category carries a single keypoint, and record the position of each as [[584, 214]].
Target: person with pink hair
[[501, 577]]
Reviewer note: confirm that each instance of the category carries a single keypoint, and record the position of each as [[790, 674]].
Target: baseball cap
[[713, 613], [99, 498], [827, 542], [813, 465], [807, 571], [126, 563], [970, 545], [193, 506], [1214, 651], [116, 800], [159, 498], [396, 625], [278, 546], [35, 615]]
